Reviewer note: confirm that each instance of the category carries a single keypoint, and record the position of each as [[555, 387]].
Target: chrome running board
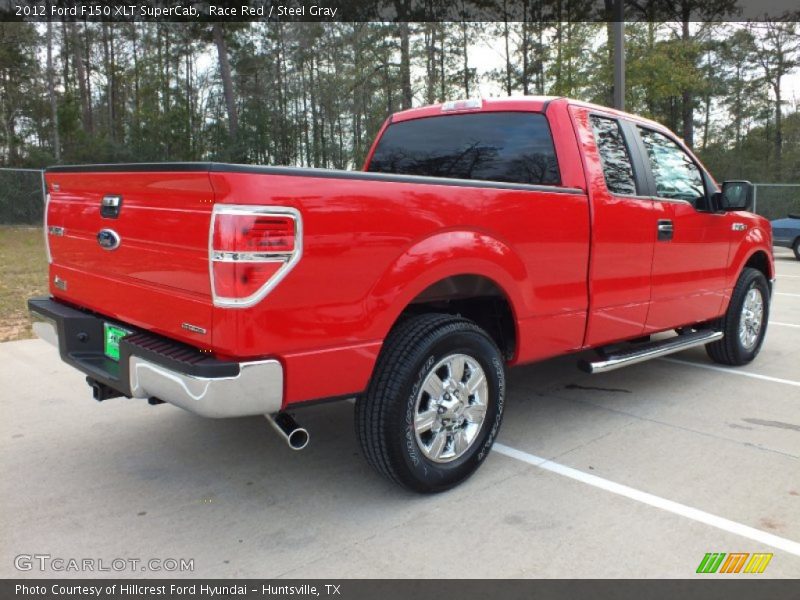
[[649, 351]]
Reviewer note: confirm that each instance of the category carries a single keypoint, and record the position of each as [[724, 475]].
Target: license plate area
[[112, 334]]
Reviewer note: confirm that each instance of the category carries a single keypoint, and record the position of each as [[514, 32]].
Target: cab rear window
[[510, 147]]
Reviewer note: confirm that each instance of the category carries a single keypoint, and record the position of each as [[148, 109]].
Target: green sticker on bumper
[[112, 336]]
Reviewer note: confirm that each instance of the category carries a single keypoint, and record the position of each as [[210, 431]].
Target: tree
[[777, 47], [19, 76], [51, 92], [742, 95], [315, 94], [81, 47], [227, 80]]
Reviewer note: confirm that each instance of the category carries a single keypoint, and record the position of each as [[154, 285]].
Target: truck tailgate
[[157, 276]]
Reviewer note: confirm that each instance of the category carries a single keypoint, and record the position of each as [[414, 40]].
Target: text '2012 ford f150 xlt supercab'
[[481, 234]]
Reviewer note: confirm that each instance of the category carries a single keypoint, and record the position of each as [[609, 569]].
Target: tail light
[[470, 104], [252, 248], [47, 228]]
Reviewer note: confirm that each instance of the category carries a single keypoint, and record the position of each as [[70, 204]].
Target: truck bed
[[371, 243]]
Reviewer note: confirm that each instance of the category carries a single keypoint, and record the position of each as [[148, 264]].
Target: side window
[[676, 176], [614, 156]]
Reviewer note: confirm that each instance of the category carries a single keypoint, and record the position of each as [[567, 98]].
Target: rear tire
[[745, 322], [434, 404], [796, 248]]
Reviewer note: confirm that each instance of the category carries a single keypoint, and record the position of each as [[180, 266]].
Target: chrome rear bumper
[[44, 328], [256, 390], [208, 388]]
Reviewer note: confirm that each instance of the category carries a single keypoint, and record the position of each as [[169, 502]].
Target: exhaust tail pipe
[[289, 430]]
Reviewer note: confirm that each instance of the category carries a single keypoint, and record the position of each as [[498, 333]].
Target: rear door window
[[614, 156], [511, 147]]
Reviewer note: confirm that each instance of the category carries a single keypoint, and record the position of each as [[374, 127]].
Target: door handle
[[110, 206], [665, 230]]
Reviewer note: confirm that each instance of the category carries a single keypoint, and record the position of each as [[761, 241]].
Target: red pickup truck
[[480, 235]]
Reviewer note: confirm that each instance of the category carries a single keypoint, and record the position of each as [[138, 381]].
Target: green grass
[[23, 273]]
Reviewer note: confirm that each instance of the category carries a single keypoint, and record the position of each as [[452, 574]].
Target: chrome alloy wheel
[[751, 319], [450, 408]]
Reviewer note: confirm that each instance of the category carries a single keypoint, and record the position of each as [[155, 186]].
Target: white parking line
[[785, 294], [677, 508], [731, 371], [788, 277], [784, 324]]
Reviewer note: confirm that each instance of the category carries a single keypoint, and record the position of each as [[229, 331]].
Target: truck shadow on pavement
[[243, 458]]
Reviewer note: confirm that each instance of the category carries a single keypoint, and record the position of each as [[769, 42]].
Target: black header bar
[[384, 589], [190, 11]]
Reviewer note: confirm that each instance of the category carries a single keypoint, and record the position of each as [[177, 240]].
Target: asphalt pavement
[[635, 473]]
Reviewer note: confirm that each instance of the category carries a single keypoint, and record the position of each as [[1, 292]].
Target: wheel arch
[[754, 251], [759, 260], [459, 272], [474, 297]]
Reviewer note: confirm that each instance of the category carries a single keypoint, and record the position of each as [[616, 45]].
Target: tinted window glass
[[614, 156], [509, 147], [676, 176]]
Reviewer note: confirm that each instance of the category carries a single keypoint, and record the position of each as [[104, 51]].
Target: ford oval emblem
[[108, 239]]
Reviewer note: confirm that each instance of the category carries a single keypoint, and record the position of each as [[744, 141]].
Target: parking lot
[[635, 473]]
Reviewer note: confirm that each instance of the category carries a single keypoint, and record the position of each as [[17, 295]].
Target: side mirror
[[735, 195]]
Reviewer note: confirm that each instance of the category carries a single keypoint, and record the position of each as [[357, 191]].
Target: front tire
[[796, 248], [435, 403], [744, 323]]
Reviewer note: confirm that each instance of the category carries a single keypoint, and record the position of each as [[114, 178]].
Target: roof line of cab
[[512, 103]]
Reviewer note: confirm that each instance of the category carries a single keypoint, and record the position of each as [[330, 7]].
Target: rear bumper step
[[151, 366], [650, 350]]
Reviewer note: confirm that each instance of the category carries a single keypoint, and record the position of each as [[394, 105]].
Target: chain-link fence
[[777, 200], [21, 197]]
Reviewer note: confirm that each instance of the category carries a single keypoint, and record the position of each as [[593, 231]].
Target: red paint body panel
[[623, 235], [580, 267], [372, 247], [689, 273], [158, 278]]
